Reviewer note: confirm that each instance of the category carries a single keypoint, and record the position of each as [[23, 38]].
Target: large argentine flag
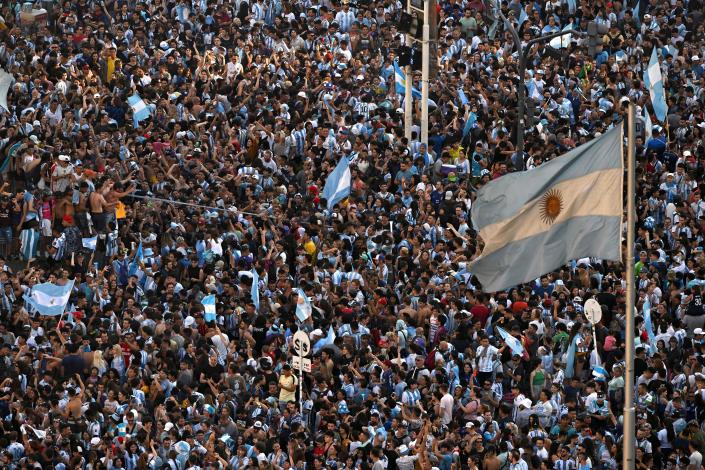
[[400, 82], [654, 81], [338, 183], [535, 221], [140, 110], [49, 299]]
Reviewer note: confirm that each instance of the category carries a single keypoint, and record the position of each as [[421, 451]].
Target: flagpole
[[629, 440], [408, 98]]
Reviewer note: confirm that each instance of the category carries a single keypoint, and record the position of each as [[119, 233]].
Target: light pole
[[425, 64], [408, 100], [523, 51]]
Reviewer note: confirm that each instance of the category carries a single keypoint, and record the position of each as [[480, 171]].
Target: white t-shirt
[[446, 408]]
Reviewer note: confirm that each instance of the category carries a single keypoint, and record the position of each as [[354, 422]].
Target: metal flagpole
[[301, 387], [629, 440], [425, 59], [408, 99]]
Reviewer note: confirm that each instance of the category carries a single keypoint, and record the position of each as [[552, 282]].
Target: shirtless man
[[81, 208], [64, 206], [99, 206], [491, 461], [73, 412], [112, 197]]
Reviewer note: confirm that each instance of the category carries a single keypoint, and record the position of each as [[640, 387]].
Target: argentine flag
[[140, 110], [323, 342], [303, 305], [338, 183], [461, 95], [136, 261], [654, 81], [49, 299], [649, 326], [400, 82], [513, 343], [208, 303], [542, 219], [600, 372], [90, 243], [254, 292], [561, 42], [648, 126]]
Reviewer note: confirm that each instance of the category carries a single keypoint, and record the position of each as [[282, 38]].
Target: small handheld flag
[[254, 292], [49, 299], [140, 110], [338, 183], [90, 243], [654, 81], [648, 326], [400, 82], [139, 256], [208, 303], [303, 305], [321, 343], [600, 372], [513, 343]]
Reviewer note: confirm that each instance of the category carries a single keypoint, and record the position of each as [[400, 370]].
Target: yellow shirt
[[111, 68], [284, 381], [455, 153], [310, 247]]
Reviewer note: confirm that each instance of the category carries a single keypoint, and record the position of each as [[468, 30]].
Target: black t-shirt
[[212, 372], [5, 216], [695, 307], [73, 364]]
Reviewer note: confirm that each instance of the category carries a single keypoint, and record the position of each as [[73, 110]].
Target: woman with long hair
[[575, 355], [538, 378]]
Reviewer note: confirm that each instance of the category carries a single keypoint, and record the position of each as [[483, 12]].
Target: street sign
[[302, 345], [593, 311], [301, 363]]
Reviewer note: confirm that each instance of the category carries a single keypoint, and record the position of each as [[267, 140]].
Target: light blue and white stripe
[[654, 82], [140, 110], [208, 303], [534, 222], [400, 82], [49, 299], [338, 183]]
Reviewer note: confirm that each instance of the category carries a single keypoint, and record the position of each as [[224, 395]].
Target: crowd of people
[[211, 183]]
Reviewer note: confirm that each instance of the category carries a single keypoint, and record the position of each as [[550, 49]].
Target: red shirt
[[480, 313], [126, 353]]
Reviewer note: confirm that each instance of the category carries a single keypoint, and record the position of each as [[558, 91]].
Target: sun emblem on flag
[[551, 205]]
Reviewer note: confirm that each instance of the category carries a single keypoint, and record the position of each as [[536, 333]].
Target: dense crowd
[[218, 190]]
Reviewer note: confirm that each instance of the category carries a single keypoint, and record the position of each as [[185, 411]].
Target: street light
[[523, 51]]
